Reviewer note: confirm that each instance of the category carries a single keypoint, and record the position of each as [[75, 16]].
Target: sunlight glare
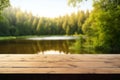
[[49, 8]]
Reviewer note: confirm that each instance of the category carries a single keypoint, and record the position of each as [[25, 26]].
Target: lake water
[[38, 45]]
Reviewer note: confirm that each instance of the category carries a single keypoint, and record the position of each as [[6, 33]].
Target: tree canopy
[[102, 27], [17, 23], [3, 4], [74, 2]]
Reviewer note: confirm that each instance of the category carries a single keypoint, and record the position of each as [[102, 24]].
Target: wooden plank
[[60, 70], [59, 58], [56, 64], [84, 63], [63, 56]]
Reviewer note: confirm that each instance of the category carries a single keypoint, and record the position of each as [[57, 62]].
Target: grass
[[7, 38], [14, 37]]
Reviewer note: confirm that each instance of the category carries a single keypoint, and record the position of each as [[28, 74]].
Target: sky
[[49, 8]]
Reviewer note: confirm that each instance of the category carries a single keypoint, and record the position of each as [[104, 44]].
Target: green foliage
[[18, 23], [102, 27], [78, 45], [7, 38], [107, 26], [3, 4], [74, 2], [4, 27]]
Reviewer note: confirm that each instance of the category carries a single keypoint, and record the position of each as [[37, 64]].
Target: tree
[[4, 27], [107, 16], [103, 25], [40, 30], [74, 2], [23, 23], [34, 24], [4, 4]]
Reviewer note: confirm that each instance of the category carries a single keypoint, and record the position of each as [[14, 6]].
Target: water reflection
[[54, 38], [51, 52], [35, 46]]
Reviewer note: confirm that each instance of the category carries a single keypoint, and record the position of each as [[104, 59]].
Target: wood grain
[[71, 63]]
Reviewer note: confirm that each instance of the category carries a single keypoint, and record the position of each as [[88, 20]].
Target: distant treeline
[[15, 22]]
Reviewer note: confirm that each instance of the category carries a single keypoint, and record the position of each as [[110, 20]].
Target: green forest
[[99, 29], [18, 23]]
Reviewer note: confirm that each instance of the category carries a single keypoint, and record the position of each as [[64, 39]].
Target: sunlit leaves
[[4, 3], [105, 21], [74, 2], [103, 26]]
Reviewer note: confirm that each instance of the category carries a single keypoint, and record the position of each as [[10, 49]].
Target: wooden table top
[[64, 63]]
